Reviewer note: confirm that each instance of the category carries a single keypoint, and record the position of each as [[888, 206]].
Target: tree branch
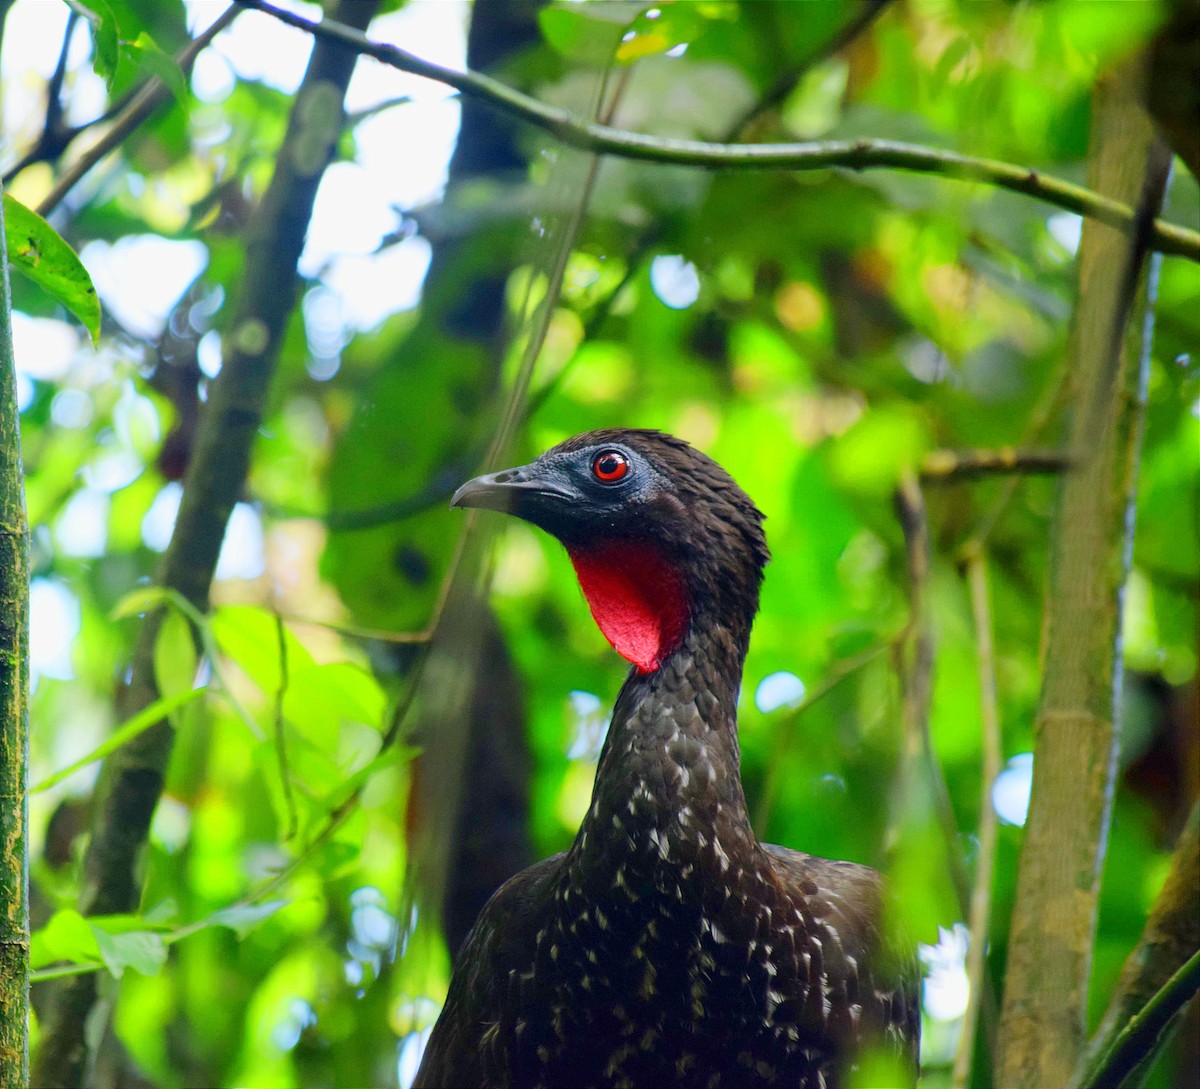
[[1054, 918], [1140, 1038], [132, 778], [864, 154], [786, 82], [944, 466], [55, 136]]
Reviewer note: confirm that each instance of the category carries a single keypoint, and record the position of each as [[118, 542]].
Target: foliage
[[817, 333]]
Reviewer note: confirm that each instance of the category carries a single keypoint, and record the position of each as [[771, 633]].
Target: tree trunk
[[1054, 919], [14, 713]]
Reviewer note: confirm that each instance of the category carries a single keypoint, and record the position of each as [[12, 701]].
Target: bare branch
[[592, 136], [1139, 1039], [944, 466]]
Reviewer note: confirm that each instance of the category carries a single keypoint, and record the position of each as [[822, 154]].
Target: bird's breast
[[661, 980]]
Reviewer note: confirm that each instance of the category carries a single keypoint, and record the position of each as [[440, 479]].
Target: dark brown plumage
[[668, 947]]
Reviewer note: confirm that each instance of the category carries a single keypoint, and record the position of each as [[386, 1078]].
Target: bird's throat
[[638, 599]]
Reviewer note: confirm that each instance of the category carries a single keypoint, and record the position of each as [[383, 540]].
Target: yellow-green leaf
[[174, 656], [66, 936], [636, 46], [142, 600], [146, 50]]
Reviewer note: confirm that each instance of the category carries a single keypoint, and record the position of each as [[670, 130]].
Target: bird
[[668, 946]]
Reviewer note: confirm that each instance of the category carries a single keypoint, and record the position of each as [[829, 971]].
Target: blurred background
[[391, 718]]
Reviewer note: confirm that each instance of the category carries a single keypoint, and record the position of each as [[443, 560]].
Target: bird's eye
[[610, 466]]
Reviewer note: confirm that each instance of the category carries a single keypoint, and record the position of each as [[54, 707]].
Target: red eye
[[610, 466]]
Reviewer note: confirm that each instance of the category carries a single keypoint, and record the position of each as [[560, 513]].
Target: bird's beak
[[512, 491]]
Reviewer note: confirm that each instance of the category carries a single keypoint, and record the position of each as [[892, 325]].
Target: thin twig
[[775, 95], [915, 666], [520, 403], [945, 466], [55, 136], [783, 731], [651, 235], [356, 631], [337, 816], [975, 564], [1049, 405], [520, 390], [863, 154], [140, 107], [438, 489], [1170, 936], [285, 775], [52, 128], [427, 638]]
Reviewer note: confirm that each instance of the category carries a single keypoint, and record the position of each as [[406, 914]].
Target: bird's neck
[[668, 783]]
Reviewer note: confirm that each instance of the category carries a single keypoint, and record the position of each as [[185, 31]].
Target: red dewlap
[[637, 599]]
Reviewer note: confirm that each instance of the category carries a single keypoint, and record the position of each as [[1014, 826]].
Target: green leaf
[[66, 936], [144, 51], [174, 656], [587, 35], [242, 918], [105, 36], [130, 729], [332, 859], [142, 600], [38, 250], [142, 950], [123, 923]]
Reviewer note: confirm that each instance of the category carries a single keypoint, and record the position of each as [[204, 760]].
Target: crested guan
[[668, 947]]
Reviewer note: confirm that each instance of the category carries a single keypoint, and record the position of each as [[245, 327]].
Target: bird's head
[[658, 532]]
